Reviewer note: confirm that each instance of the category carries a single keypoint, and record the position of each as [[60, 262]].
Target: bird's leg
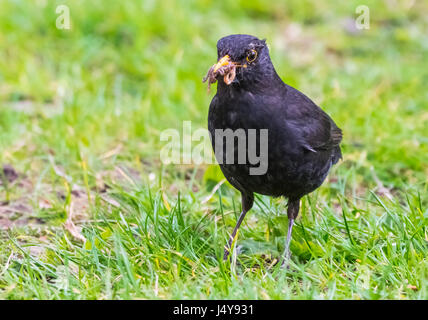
[[292, 212], [233, 235], [287, 243], [247, 203]]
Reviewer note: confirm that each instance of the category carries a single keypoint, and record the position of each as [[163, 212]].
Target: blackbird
[[303, 141]]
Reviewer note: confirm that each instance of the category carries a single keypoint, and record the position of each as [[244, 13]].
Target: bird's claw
[[226, 253]]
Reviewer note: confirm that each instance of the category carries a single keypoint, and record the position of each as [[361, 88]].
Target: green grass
[[81, 112]]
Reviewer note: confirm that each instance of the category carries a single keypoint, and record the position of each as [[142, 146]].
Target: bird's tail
[[337, 155]]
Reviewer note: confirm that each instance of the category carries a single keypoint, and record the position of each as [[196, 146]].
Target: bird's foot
[[227, 252], [285, 264]]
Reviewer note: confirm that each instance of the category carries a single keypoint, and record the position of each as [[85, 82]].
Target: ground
[[89, 211]]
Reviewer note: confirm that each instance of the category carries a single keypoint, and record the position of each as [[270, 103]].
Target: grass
[[81, 112]]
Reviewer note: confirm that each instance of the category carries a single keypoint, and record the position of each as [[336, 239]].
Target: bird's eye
[[252, 55]]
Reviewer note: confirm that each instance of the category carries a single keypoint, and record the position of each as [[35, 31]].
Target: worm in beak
[[224, 67]]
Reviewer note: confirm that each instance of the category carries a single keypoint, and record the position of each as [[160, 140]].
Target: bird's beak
[[222, 62]]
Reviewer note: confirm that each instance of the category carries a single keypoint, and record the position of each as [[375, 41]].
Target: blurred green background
[[85, 107]]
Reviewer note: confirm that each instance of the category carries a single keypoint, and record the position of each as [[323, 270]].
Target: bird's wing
[[313, 128]]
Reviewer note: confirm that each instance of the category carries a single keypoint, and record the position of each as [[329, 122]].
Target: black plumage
[[303, 141]]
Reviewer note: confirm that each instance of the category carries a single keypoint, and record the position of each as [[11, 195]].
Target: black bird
[[303, 141]]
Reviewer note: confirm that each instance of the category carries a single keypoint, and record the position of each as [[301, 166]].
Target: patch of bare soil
[[8, 174], [20, 203], [16, 212]]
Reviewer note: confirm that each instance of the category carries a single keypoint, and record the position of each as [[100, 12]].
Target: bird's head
[[243, 61]]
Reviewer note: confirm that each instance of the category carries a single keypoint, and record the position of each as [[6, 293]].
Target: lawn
[[88, 210]]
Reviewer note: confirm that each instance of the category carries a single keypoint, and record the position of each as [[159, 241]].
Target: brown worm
[[227, 71]]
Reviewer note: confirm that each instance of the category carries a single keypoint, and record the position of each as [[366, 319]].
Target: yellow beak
[[222, 62]]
